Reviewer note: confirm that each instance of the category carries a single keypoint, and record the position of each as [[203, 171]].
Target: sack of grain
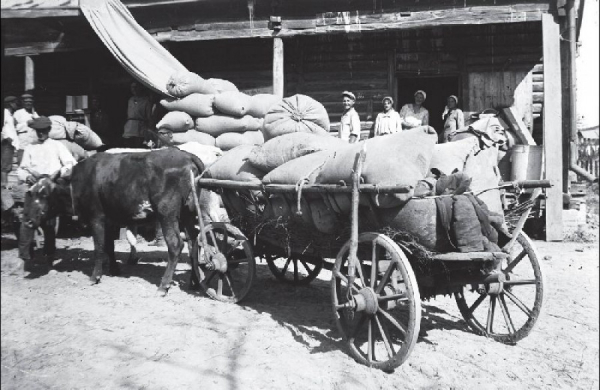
[[207, 154], [176, 121], [298, 113], [194, 136], [219, 124], [483, 169], [232, 103], [305, 167], [77, 151], [222, 85], [83, 135], [229, 141], [261, 103], [284, 148], [453, 155], [400, 159], [466, 227], [58, 130], [234, 166], [182, 84], [323, 217], [195, 104]]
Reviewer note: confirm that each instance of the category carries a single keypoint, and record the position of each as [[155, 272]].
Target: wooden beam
[[39, 13], [553, 128], [360, 23], [34, 48], [29, 74], [278, 71], [518, 126]]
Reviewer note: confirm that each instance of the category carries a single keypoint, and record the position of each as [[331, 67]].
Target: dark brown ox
[[107, 191]]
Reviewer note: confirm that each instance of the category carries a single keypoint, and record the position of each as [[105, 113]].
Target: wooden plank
[[278, 73], [39, 13], [538, 86], [375, 22], [518, 126], [538, 97], [552, 117], [537, 107], [538, 78]]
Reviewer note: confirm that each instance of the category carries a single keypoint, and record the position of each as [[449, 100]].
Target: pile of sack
[[214, 112], [79, 139]]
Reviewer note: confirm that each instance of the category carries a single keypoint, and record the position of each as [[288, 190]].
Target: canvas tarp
[[136, 50]]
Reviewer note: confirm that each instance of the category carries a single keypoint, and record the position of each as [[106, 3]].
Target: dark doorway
[[437, 89]]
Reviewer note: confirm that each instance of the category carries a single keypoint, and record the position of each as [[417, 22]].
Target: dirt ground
[[59, 331]]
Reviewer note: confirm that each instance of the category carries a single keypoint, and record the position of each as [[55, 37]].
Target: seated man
[[41, 158]]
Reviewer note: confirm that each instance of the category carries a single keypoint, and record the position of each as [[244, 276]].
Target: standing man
[[388, 121], [99, 122], [10, 140], [139, 118], [350, 122], [22, 116], [41, 158]]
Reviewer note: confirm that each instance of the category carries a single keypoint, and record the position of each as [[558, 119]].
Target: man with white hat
[[388, 121], [22, 116], [350, 122]]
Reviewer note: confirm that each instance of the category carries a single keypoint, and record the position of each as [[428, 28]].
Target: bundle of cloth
[[214, 112]]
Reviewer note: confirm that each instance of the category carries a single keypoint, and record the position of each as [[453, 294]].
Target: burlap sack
[[400, 159], [233, 166], [194, 136], [176, 121], [453, 155], [232, 103], [84, 136], [261, 103], [298, 113], [466, 227], [195, 104], [323, 217], [58, 130], [223, 85], [229, 141], [182, 84], [279, 150], [305, 167], [483, 169], [206, 153], [219, 124]]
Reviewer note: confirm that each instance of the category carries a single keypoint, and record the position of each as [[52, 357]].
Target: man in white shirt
[[42, 157], [22, 116], [350, 122], [388, 121], [10, 140]]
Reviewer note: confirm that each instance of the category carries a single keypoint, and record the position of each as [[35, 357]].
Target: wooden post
[[553, 128], [29, 74], [278, 75]]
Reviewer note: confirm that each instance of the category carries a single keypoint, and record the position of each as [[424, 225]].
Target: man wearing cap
[[10, 140], [42, 157], [139, 118], [22, 116], [388, 121], [350, 122]]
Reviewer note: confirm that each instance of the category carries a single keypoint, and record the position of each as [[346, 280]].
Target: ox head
[[38, 202], [488, 128]]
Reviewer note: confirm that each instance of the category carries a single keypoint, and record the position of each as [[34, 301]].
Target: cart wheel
[[296, 270], [380, 316], [519, 298], [235, 282]]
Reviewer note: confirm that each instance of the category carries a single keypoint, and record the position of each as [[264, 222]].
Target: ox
[[111, 190]]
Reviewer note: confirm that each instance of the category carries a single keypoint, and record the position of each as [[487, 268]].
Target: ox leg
[[191, 234], [171, 232], [49, 240], [111, 233], [98, 233]]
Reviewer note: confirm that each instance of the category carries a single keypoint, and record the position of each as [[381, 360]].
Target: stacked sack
[[214, 112], [79, 139]]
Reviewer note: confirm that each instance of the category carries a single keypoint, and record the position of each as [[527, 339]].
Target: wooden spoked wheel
[[296, 270], [379, 315], [508, 311], [233, 284]]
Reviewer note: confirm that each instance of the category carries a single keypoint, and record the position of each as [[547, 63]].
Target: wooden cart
[[378, 279]]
